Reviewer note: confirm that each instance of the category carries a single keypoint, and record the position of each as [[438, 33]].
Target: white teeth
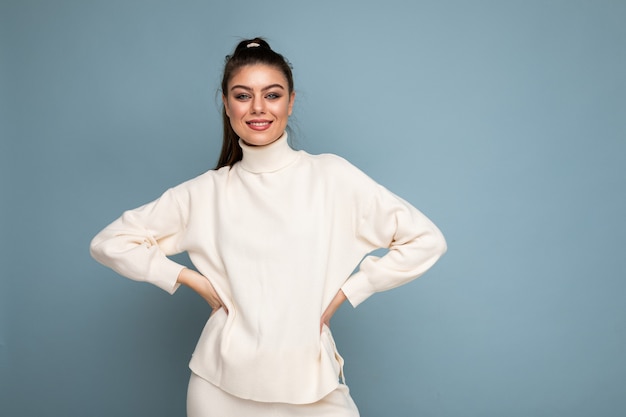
[[259, 123]]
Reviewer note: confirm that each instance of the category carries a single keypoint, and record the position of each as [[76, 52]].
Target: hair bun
[[251, 44]]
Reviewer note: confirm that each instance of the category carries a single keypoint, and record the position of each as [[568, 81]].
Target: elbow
[[98, 249], [438, 245], [95, 250], [442, 246]]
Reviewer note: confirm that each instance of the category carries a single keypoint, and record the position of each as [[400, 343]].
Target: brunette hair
[[248, 52]]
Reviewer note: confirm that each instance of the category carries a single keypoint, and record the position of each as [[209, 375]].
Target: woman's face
[[258, 104]]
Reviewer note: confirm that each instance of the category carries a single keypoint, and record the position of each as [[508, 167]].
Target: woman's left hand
[[339, 298]]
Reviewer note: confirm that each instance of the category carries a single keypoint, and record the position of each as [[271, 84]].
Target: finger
[[221, 304], [324, 321], [217, 304]]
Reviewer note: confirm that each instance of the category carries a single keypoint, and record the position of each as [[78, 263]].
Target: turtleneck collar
[[267, 158]]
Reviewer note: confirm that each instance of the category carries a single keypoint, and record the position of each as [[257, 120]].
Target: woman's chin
[[254, 140]]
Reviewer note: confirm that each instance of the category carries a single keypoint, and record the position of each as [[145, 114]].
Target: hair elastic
[[252, 45]]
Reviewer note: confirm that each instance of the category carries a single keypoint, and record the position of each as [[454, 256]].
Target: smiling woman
[[275, 235], [257, 75], [258, 104]]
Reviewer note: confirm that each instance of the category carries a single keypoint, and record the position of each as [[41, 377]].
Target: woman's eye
[[272, 96], [242, 96]]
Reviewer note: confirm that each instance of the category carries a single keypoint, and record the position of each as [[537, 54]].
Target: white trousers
[[206, 400]]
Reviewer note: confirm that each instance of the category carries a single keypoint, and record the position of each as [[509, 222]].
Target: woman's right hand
[[200, 284]]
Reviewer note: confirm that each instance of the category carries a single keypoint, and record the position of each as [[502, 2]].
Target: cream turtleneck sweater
[[277, 235]]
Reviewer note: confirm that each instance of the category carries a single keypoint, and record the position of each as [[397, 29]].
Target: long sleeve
[[137, 244], [414, 244]]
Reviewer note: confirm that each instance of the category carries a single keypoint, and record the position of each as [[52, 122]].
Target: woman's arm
[[414, 244], [202, 286], [137, 244], [334, 305]]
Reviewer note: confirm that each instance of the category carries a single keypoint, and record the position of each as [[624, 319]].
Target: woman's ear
[[292, 98], [225, 101]]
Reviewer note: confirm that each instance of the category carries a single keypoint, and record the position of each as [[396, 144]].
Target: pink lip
[[259, 124]]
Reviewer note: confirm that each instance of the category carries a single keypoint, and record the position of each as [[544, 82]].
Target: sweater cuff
[[166, 276], [357, 288]]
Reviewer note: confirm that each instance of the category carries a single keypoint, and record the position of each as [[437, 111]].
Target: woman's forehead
[[258, 75]]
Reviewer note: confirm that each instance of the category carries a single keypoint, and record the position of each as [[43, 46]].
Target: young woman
[[275, 235]]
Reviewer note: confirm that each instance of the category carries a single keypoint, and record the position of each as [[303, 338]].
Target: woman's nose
[[258, 106]]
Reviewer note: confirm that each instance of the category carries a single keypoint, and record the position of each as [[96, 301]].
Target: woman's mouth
[[259, 124]]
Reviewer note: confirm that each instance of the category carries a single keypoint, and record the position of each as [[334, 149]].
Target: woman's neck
[[267, 158]]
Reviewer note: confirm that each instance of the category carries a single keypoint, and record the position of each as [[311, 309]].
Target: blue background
[[503, 121]]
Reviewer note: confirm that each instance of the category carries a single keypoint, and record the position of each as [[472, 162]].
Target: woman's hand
[[202, 286], [339, 298]]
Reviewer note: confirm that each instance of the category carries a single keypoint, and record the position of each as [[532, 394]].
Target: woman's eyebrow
[[263, 89]]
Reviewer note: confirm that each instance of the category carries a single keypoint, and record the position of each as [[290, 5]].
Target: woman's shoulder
[[340, 170], [332, 161], [208, 179], [335, 162]]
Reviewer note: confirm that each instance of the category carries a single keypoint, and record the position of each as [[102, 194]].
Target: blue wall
[[504, 121]]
